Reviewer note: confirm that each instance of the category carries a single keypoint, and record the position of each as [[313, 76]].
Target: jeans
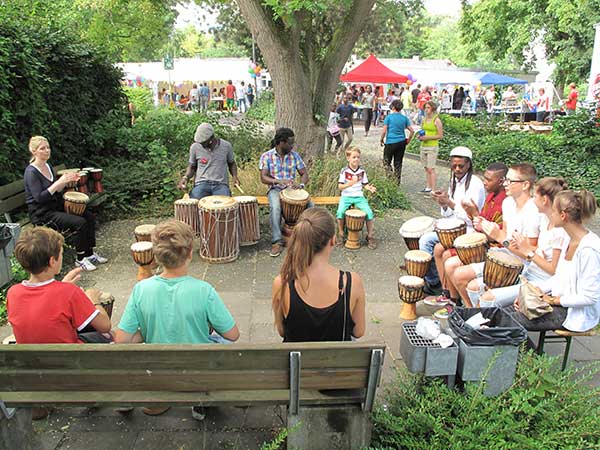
[[240, 102], [203, 102], [505, 296], [427, 243], [215, 338], [206, 188]]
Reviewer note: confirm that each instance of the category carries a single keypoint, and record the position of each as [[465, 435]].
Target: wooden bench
[[565, 336], [12, 197], [296, 375], [318, 201]]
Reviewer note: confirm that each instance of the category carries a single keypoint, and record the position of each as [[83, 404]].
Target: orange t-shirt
[[230, 91]]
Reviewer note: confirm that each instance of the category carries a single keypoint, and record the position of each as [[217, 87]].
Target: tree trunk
[[304, 89]]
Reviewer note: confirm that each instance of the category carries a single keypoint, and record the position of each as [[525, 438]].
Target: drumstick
[[186, 196], [239, 188]]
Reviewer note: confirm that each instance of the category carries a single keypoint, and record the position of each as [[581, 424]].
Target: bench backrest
[[113, 374]]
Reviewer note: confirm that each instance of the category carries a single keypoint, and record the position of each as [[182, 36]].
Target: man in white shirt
[[543, 106], [464, 186], [241, 97]]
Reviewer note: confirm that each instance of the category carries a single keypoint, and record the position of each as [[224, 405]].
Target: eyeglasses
[[509, 181], [458, 166]]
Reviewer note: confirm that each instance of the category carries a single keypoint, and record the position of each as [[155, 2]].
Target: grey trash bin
[[423, 356]]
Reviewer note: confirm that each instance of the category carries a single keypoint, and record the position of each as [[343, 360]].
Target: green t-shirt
[[175, 311]]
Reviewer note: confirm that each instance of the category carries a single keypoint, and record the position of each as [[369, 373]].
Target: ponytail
[[550, 186], [579, 205]]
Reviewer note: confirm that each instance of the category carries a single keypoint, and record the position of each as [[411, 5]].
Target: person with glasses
[[520, 216], [210, 158], [464, 186]]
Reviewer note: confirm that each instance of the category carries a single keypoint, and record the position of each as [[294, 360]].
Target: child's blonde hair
[[351, 150], [172, 243]]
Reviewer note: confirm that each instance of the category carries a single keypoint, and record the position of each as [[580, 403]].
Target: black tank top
[[305, 323]]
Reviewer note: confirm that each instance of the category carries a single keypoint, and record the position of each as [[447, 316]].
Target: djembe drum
[[355, 220], [96, 175], [144, 232], [471, 247], [293, 202], [144, 257], [501, 269], [248, 224], [417, 262], [449, 229], [75, 202], [410, 290], [219, 236], [90, 182], [414, 228], [106, 301], [186, 210], [72, 184], [82, 183]]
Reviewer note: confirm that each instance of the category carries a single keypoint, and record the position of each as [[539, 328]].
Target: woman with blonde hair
[[313, 300], [574, 290], [43, 195]]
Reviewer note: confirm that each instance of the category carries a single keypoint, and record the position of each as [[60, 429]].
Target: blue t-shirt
[[345, 112], [396, 124]]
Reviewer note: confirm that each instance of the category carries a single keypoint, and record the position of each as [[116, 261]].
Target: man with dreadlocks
[[463, 187]]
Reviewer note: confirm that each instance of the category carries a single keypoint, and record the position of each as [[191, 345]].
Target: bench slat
[[14, 202], [8, 190], [137, 398], [179, 380]]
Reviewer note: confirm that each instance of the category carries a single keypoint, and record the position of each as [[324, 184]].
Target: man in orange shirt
[[230, 95]]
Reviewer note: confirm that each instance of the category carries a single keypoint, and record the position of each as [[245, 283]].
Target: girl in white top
[[540, 262], [575, 287]]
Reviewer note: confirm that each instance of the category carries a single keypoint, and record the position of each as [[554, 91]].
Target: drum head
[[297, 195], [417, 226], [96, 170], [411, 281], [355, 213], [470, 240], [449, 223], [62, 172], [76, 197], [215, 202], [144, 229], [245, 199], [105, 296], [186, 201], [88, 169], [142, 246], [417, 255], [503, 258]]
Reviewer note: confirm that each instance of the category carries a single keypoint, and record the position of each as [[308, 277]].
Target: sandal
[[371, 243]]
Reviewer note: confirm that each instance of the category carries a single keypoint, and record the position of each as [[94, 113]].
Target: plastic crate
[[424, 356]]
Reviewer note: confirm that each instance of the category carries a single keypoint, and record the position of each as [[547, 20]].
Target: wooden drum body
[[471, 248], [448, 230], [293, 202], [501, 269], [75, 202], [186, 210], [414, 228], [82, 184], [144, 257], [144, 232], [355, 220], [248, 224], [417, 262], [410, 290], [96, 175], [219, 237]]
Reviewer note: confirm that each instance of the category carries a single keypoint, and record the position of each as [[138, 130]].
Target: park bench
[[12, 198], [564, 336], [299, 376]]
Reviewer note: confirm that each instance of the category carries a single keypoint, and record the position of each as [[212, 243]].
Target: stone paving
[[245, 286]]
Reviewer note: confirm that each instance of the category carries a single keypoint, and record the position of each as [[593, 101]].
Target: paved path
[[245, 286]]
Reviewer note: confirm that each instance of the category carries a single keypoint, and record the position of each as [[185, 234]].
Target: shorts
[[230, 103], [358, 202], [429, 156]]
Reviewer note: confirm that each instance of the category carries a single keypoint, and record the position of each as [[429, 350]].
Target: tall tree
[[305, 44]]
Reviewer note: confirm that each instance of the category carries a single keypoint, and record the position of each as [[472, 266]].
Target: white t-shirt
[[526, 221], [550, 239], [194, 95], [241, 92], [476, 193], [347, 174]]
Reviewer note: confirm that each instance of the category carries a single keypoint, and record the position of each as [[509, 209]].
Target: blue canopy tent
[[496, 78]]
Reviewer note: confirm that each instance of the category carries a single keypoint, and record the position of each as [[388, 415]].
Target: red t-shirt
[[51, 313], [230, 91], [423, 98], [492, 207], [572, 101]]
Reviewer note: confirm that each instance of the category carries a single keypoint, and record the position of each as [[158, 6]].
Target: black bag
[[5, 235], [503, 329]]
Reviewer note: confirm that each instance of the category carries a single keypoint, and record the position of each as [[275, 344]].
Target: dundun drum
[[293, 202], [248, 223], [414, 228], [219, 237], [186, 210]]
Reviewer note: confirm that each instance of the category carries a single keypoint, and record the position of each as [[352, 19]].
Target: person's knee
[[473, 285], [438, 250], [487, 296]]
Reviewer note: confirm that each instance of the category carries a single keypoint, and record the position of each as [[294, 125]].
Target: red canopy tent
[[373, 71]]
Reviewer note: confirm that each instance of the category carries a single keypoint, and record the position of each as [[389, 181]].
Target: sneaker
[[425, 190], [444, 313], [85, 264], [440, 300], [198, 412], [431, 289], [97, 259], [275, 250]]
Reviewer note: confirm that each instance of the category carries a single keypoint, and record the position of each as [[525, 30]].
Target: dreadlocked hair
[[468, 175]]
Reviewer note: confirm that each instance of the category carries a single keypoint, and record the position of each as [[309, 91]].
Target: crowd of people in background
[[231, 97]]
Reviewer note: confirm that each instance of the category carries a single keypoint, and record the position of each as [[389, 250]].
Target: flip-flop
[[371, 243]]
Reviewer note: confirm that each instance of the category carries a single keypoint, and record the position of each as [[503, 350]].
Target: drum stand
[[408, 311], [353, 240]]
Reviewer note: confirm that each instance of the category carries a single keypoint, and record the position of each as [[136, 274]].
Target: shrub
[[141, 98], [545, 408], [19, 274], [263, 108]]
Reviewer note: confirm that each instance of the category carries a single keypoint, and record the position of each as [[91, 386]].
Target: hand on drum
[[73, 276], [94, 295], [477, 223], [470, 208], [490, 228], [182, 185], [67, 178]]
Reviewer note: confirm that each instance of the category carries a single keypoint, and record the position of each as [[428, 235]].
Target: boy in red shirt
[[42, 310], [230, 95]]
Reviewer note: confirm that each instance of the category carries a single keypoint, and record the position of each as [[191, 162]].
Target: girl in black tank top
[[307, 261]]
